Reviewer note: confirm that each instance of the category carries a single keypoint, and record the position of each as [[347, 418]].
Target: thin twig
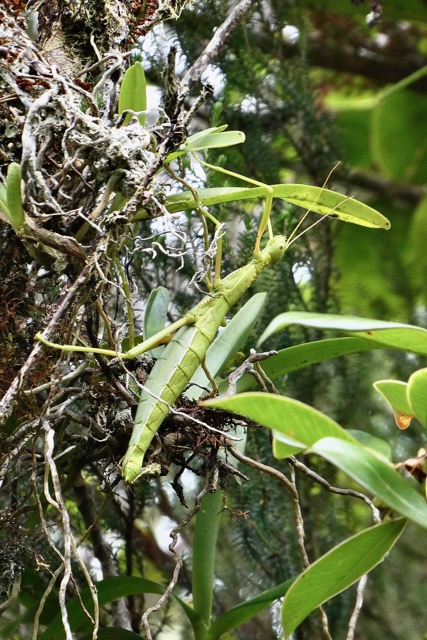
[[249, 367], [216, 44], [376, 516], [357, 607], [260, 466], [298, 519]]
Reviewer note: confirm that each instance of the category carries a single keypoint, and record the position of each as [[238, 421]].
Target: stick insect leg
[[265, 218], [147, 345], [203, 214]]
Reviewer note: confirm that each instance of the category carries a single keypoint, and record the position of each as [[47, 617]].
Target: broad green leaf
[[133, 92], [388, 334], [337, 570], [205, 536], [316, 199], [335, 205], [213, 138], [417, 395], [14, 211], [156, 315], [376, 475], [296, 425], [228, 342], [378, 445], [196, 137], [108, 590], [301, 356], [239, 614], [394, 391]]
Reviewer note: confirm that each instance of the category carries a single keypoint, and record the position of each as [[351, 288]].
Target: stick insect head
[[276, 247]]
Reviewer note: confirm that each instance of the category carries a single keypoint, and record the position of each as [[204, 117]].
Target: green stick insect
[[196, 330]]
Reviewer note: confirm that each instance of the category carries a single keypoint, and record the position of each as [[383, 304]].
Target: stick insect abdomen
[[167, 380]]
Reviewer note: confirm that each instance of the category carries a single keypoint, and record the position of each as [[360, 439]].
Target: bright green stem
[[204, 548]]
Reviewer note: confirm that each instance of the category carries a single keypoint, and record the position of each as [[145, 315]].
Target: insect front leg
[[136, 351], [268, 192]]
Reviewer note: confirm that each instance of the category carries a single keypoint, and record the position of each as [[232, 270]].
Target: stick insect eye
[[276, 248]]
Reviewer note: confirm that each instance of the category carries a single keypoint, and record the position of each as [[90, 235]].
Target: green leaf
[[204, 547], [316, 199], [228, 342], [133, 92], [239, 614], [388, 334], [213, 138], [376, 475], [155, 316], [109, 589], [378, 445], [417, 395], [301, 356], [296, 425], [333, 204], [14, 211], [395, 393], [337, 570]]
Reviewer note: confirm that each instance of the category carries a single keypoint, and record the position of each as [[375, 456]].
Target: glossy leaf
[[337, 570], [204, 549], [301, 356], [156, 315], [378, 445], [376, 475], [239, 614], [212, 138], [417, 395], [316, 199], [133, 93], [227, 343], [388, 334], [394, 391], [296, 425], [15, 211]]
